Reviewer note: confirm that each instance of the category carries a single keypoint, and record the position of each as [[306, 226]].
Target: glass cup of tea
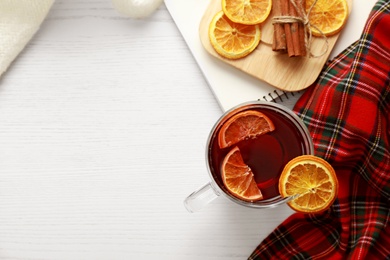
[[265, 154]]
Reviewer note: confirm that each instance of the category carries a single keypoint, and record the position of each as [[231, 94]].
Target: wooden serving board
[[275, 68]]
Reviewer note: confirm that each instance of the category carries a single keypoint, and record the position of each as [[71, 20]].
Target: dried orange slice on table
[[232, 40], [244, 125], [328, 16], [247, 11], [314, 182], [238, 177]]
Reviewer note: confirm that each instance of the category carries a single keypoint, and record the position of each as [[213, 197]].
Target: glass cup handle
[[200, 198]]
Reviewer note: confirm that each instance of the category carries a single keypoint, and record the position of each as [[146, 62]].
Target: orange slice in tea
[[238, 177], [313, 180], [244, 125]]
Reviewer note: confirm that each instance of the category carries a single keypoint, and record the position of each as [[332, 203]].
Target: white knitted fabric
[[19, 21]]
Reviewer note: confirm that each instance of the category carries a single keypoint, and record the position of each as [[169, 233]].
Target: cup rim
[[271, 202]]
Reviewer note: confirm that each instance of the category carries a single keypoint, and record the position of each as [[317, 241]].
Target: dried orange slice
[[244, 125], [232, 40], [247, 11], [328, 16], [238, 177], [314, 179]]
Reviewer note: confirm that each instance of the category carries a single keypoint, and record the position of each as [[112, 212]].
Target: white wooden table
[[103, 125]]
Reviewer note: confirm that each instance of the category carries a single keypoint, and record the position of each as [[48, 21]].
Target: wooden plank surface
[[277, 69]]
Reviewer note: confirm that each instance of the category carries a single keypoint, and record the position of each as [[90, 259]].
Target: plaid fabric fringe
[[347, 113]]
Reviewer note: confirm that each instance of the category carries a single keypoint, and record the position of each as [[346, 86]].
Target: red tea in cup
[[265, 154]]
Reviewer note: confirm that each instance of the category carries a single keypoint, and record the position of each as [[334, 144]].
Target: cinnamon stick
[[301, 29], [279, 40], [287, 27], [297, 31], [289, 36], [295, 50]]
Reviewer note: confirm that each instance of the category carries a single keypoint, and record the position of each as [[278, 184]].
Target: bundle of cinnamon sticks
[[289, 32]]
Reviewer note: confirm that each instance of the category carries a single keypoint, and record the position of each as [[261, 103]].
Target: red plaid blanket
[[347, 111]]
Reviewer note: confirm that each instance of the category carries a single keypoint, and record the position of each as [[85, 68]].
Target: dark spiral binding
[[277, 96]]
